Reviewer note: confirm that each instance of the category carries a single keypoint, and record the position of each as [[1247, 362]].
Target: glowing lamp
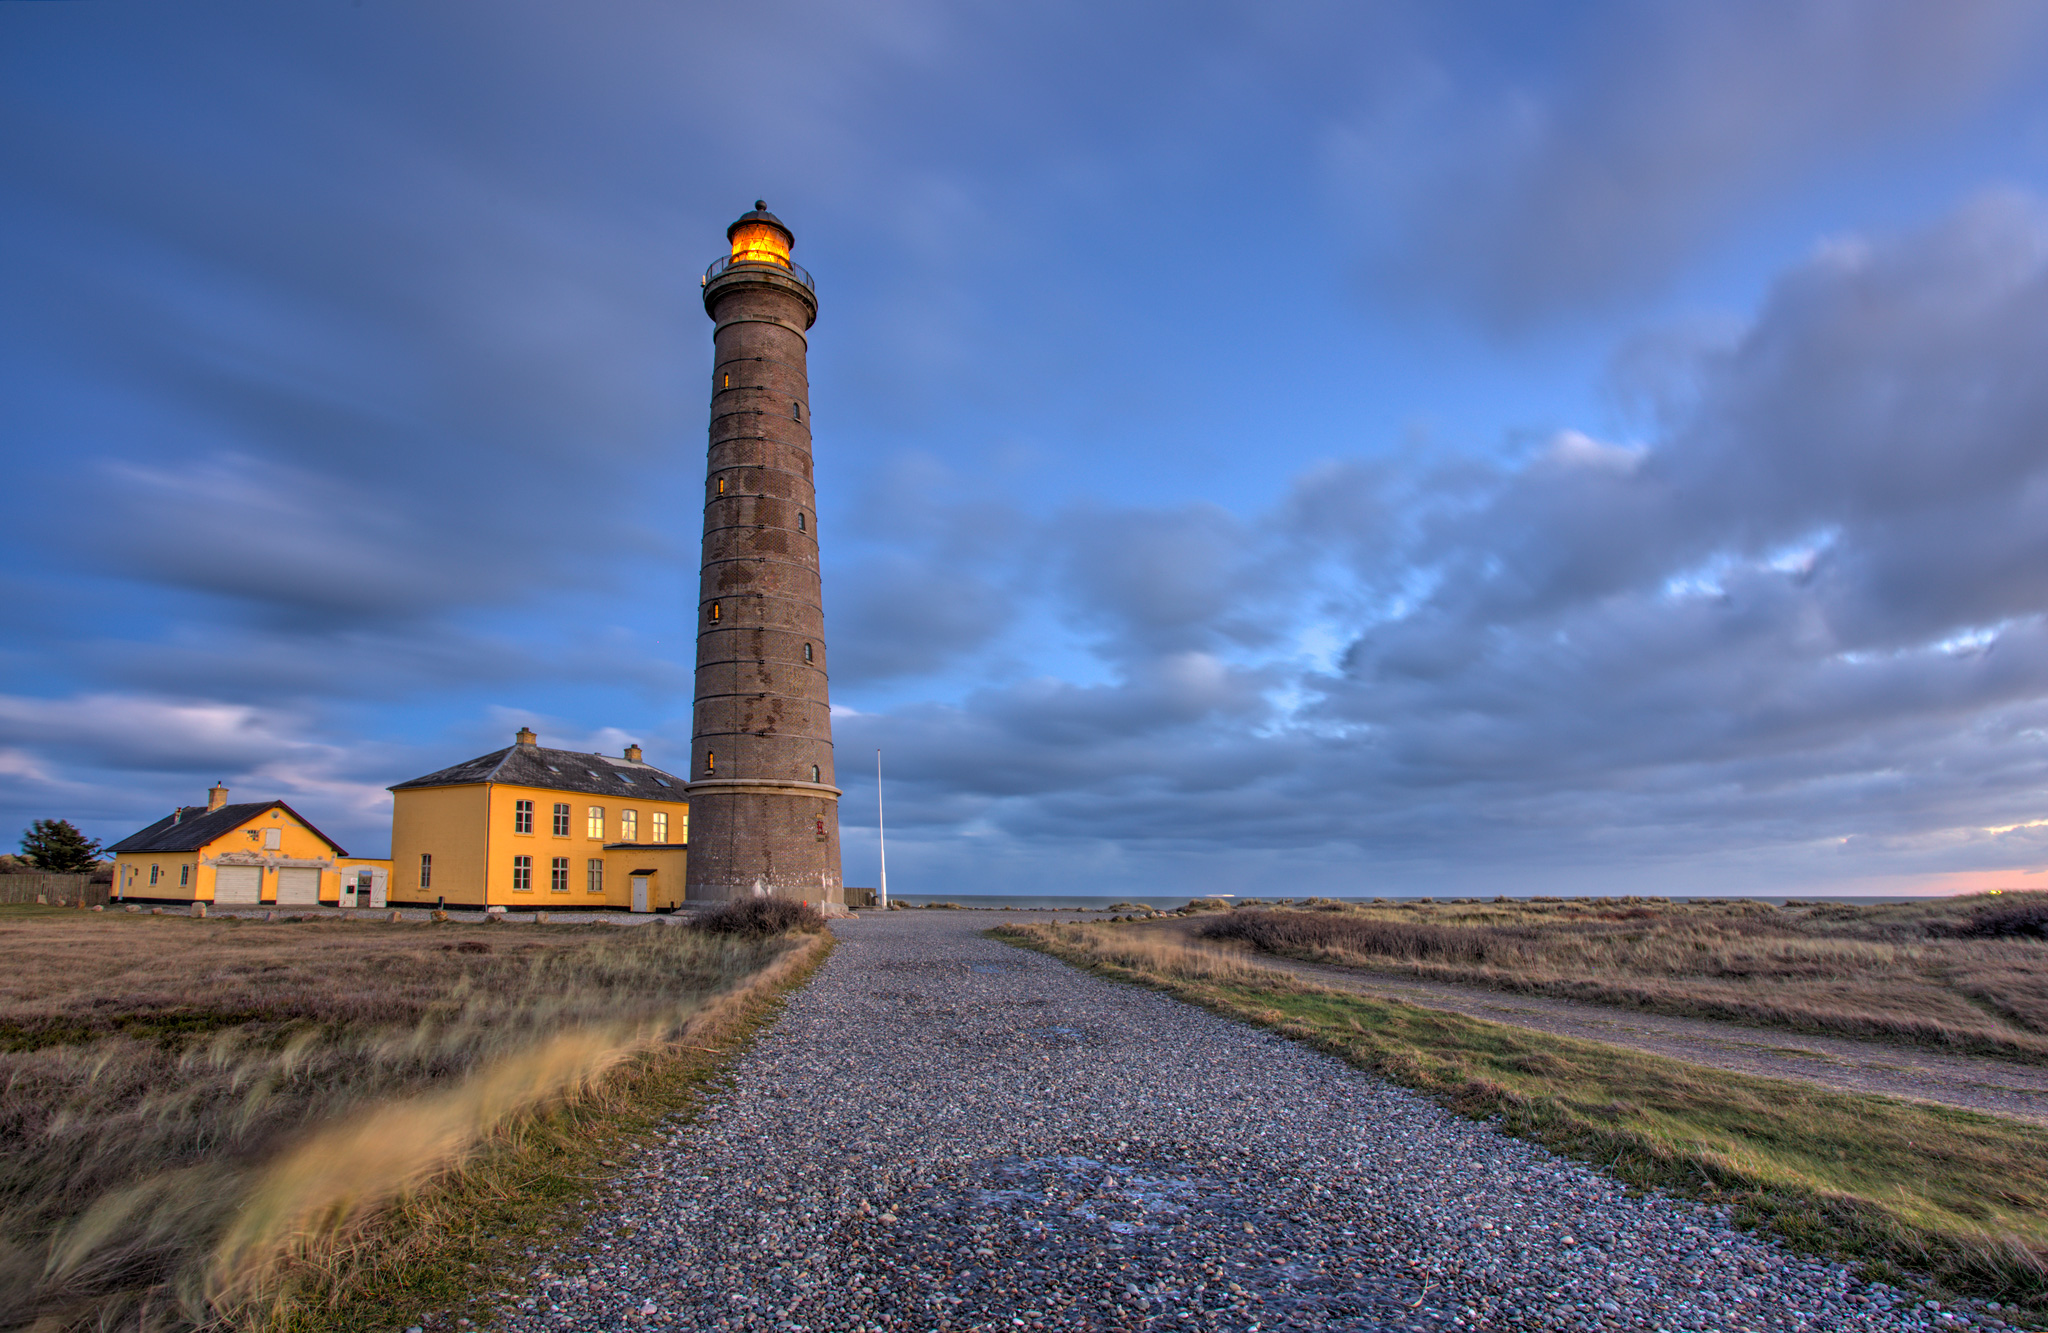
[[760, 238]]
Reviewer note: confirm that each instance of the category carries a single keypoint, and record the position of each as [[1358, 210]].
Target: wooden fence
[[56, 890]]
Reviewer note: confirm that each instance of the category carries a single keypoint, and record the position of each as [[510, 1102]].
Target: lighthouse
[[764, 811]]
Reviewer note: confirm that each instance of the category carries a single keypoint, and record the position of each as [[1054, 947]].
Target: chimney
[[216, 797], [525, 736], [632, 754]]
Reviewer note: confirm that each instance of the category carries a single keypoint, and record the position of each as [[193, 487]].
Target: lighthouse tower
[[764, 813]]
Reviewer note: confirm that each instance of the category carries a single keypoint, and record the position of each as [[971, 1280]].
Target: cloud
[[1594, 176], [1808, 620]]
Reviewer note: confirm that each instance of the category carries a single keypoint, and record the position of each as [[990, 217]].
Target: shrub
[[2028, 919], [761, 916], [1285, 931]]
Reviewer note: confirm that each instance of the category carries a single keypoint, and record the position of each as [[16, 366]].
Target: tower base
[[762, 838]]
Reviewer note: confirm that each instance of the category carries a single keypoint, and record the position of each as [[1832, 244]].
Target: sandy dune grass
[[1964, 973], [196, 1115]]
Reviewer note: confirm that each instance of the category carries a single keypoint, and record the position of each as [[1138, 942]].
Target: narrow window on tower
[[814, 773], [807, 652], [714, 613], [721, 485], [710, 762], [728, 381], [796, 411], [800, 521]]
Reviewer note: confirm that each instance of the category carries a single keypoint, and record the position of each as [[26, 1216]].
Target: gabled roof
[[559, 770], [190, 827]]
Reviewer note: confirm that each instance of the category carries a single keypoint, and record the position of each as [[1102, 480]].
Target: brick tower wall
[[759, 823]]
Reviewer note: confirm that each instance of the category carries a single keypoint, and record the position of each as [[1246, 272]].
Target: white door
[[376, 888], [298, 886], [639, 893], [238, 885]]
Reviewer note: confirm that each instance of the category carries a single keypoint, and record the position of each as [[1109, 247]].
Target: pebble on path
[[945, 1132]]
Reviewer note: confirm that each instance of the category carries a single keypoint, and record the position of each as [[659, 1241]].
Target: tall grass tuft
[[193, 1109]]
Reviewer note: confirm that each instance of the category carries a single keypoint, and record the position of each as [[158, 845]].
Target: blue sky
[[1261, 448]]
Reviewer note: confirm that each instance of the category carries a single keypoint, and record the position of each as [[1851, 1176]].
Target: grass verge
[[1956, 1199]]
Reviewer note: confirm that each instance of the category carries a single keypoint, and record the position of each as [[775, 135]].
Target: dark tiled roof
[[190, 827], [559, 770]]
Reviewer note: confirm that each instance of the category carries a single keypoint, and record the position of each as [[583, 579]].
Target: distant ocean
[[1069, 903]]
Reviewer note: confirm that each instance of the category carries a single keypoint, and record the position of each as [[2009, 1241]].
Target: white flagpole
[[881, 834]]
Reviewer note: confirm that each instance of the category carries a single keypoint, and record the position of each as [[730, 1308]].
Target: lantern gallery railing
[[758, 259]]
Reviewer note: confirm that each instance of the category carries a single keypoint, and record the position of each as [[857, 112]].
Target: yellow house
[[532, 828], [232, 855]]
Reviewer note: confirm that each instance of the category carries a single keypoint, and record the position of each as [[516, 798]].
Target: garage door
[[298, 886], [237, 884]]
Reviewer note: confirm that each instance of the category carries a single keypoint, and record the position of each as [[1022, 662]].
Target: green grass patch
[[1958, 1198]]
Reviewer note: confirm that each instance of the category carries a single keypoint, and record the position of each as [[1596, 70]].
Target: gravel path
[[944, 1132]]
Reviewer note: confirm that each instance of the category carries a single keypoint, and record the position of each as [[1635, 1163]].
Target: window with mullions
[[597, 821], [593, 875], [629, 826], [659, 821], [522, 816], [561, 819], [185, 877], [426, 870], [558, 875], [152, 876], [522, 874]]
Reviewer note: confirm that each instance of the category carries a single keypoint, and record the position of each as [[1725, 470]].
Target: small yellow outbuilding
[[233, 855], [528, 827]]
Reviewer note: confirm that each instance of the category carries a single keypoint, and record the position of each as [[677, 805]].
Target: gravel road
[[944, 1132]]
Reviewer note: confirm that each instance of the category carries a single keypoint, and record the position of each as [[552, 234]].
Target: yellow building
[[532, 828], [232, 855]]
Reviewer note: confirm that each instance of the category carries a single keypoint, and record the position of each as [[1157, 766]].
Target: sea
[[1074, 903]]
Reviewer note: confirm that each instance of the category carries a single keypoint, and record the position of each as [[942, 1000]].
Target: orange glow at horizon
[[759, 243]]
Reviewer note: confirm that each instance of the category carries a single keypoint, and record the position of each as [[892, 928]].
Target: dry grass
[[1958, 1197], [200, 1116], [1966, 973]]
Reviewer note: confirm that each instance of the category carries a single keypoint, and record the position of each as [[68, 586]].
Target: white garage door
[[298, 886], [237, 884]]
